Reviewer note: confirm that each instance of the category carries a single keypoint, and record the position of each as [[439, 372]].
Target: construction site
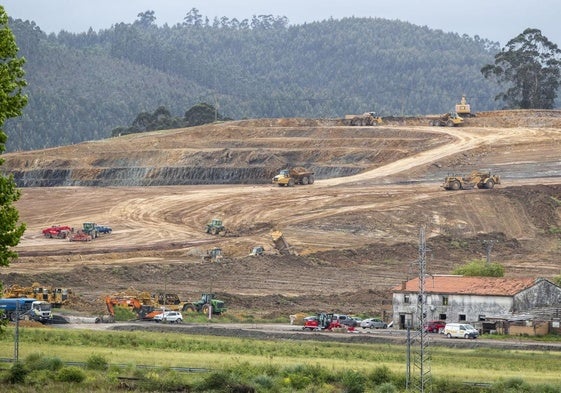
[[204, 216]]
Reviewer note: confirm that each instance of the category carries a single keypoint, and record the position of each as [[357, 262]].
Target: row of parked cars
[[354, 322]]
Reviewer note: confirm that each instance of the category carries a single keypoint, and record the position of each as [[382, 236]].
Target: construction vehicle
[[281, 244], [450, 119], [90, 228], [366, 119], [129, 302], [292, 176], [207, 304], [463, 109], [257, 251], [215, 226], [57, 231], [214, 255], [80, 236], [477, 179], [26, 308], [56, 297], [322, 321]]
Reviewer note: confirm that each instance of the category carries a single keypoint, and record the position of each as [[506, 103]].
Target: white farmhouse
[[469, 299]]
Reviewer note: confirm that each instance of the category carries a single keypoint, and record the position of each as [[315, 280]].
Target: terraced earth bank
[[355, 230]]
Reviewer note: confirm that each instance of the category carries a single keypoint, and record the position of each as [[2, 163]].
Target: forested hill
[[81, 86]]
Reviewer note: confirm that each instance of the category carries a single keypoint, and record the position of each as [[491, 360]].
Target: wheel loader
[[477, 179]]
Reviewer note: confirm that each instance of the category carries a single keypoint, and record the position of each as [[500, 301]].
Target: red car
[[434, 326]]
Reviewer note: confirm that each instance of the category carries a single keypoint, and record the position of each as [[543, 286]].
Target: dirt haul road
[[354, 234]]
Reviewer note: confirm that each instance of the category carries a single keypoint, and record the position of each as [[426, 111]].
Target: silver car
[[373, 323], [169, 316]]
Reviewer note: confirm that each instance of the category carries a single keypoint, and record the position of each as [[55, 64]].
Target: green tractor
[[203, 305], [214, 227], [89, 228]]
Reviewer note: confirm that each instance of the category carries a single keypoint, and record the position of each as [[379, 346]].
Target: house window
[[442, 317], [444, 300], [462, 317], [481, 317], [405, 298]]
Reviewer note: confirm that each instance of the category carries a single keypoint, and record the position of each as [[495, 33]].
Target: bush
[[386, 387], [97, 362], [353, 382], [71, 374], [17, 373], [380, 375], [36, 361]]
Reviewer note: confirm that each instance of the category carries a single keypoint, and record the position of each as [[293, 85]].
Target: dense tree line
[[82, 86]]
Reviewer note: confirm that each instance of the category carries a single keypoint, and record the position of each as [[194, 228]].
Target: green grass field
[[165, 350]]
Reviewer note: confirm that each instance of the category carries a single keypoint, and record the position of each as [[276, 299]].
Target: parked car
[[345, 320], [434, 326], [373, 323], [169, 316]]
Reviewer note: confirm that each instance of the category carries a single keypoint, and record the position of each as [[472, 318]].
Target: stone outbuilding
[[452, 298]]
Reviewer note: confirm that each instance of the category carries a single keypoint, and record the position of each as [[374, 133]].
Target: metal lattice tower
[[421, 355]]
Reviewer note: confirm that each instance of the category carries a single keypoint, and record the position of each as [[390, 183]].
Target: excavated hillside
[[355, 230]]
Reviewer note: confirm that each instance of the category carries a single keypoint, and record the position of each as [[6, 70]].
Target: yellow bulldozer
[[57, 297], [477, 179]]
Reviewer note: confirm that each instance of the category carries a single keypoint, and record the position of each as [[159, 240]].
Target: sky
[[495, 20]]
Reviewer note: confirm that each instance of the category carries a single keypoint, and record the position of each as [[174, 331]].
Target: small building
[[452, 298]]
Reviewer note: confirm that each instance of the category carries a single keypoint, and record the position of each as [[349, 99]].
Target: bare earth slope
[[356, 235]]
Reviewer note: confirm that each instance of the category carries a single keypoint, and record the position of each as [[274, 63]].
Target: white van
[[460, 330]]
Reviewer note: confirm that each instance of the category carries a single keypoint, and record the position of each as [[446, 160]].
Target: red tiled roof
[[496, 286]]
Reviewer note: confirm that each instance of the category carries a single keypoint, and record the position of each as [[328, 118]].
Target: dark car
[[345, 320], [434, 326]]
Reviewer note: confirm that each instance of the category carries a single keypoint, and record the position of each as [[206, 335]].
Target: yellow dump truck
[[292, 176]]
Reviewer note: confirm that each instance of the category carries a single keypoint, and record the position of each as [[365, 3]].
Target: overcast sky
[[496, 20]]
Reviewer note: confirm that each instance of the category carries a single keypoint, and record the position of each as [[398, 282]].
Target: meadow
[[106, 361]]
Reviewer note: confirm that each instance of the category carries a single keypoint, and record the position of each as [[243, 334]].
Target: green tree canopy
[[480, 268], [530, 69], [12, 101]]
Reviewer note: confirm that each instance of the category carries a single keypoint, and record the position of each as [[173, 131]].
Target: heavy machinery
[[26, 308], [292, 176], [214, 255], [215, 227], [463, 109], [57, 231], [90, 228], [450, 119], [366, 119], [477, 179], [56, 297], [322, 321], [129, 302], [281, 244], [257, 251], [205, 305], [80, 236]]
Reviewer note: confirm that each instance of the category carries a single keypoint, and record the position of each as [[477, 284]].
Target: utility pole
[[422, 357]]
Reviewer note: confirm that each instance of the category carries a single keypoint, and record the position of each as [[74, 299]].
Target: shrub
[[380, 375], [17, 373], [36, 361], [97, 362], [386, 387], [71, 374], [353, 381]]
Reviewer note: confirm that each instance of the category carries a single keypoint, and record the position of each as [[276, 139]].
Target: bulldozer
[[450, 119], [207, 304], [57, 297], [479, 179]]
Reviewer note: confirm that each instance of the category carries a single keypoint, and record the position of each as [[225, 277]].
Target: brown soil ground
[[356, 236]]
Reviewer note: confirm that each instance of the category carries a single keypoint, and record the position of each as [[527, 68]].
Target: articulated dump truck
[[475, 179], [292, 176]]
